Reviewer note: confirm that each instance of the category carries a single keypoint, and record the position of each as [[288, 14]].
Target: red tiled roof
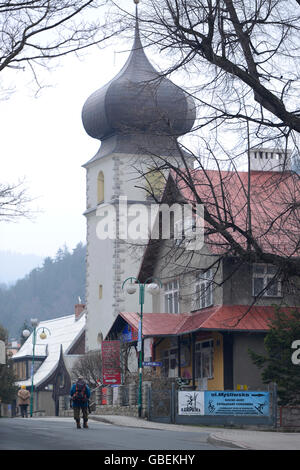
[[274, 200], [220, 317]]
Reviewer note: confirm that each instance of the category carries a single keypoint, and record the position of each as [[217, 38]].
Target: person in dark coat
[[80, 394]]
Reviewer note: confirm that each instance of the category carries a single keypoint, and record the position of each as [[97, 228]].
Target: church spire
[[138, 100], [137, 39]]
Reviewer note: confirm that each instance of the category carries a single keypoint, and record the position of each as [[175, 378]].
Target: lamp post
[[26, 334], [152, 288]]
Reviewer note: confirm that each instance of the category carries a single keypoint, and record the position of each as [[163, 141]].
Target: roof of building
[[241, 318], [275, 211], [138, 100], [64, 332], [274, 202]]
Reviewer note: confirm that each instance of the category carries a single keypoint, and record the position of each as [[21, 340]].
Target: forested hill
[[47, 292]]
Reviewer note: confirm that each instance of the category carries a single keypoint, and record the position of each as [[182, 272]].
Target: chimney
[[270, 159], [79, 308]]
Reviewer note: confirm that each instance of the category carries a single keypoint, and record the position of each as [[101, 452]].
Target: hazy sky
[[43, 140]]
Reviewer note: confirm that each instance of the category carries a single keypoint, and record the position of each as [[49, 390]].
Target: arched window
[[155, 182], [100, 187]]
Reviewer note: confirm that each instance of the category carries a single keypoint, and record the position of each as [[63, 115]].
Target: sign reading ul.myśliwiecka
[[254, 403], [248, 403]]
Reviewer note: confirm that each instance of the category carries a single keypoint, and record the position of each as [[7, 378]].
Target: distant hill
[[47, 292], [14, 266]]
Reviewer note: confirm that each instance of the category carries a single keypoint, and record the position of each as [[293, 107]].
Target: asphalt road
[[61, 434]]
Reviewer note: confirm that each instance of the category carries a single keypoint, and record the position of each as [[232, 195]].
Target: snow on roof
[[64, 332]]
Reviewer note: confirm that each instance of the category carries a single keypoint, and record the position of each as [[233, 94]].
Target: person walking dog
[[23, 400], [80, 394]]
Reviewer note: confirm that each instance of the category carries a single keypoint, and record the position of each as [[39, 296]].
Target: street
[[51, 433]]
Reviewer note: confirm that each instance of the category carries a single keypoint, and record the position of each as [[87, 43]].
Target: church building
[[138, 117]]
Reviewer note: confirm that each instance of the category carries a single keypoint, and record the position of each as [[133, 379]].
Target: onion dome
[[138, 100]]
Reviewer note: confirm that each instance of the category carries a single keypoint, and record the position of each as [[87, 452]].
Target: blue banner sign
[[152, 364], [237, 403]]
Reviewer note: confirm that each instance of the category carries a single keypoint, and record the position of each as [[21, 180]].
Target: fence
[[161, 404], [253, 408]]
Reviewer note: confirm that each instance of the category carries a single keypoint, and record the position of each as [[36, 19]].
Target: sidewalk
[[236, 438]]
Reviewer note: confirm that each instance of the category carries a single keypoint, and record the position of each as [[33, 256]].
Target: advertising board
[[111, 366], [216, 403]]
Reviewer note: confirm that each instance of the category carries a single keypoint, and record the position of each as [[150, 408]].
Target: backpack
[[80, 393]]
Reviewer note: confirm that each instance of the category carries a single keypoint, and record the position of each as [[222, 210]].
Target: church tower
[[138, 117]]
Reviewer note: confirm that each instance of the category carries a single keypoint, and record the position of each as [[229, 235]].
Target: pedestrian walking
[[23, 400], [80, 394]]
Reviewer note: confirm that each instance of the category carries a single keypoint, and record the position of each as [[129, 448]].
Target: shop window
[[204, 359], [169, 367]]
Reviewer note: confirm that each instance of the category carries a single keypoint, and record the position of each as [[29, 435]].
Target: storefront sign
[[111, 367], [237, 403]]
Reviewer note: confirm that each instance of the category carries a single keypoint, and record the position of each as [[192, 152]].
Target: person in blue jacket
[[80, 394]]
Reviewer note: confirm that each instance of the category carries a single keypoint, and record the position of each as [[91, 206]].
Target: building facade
[[213, 307]]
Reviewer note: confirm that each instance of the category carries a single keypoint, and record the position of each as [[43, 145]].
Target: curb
[[214, 439], [126, 425]]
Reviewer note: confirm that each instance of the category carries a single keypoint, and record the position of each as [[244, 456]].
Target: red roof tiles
[[274, 202], [220, 317]]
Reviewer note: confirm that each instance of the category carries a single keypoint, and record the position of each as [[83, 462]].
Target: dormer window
[[264, 282]]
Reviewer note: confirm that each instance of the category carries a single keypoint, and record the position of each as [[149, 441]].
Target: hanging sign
[[139, 343]]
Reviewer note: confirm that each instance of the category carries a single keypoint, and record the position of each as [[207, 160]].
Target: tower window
[[100, 291], [100, 187]]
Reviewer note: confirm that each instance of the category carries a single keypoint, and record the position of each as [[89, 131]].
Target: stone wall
[[122, 400]]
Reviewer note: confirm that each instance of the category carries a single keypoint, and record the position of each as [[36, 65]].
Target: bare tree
[[35, 31], [89, 366], [241, 61], [236, 49], [14, 202]]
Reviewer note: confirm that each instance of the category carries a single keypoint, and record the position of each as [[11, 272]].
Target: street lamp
[[26, 334], [152, 288]]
